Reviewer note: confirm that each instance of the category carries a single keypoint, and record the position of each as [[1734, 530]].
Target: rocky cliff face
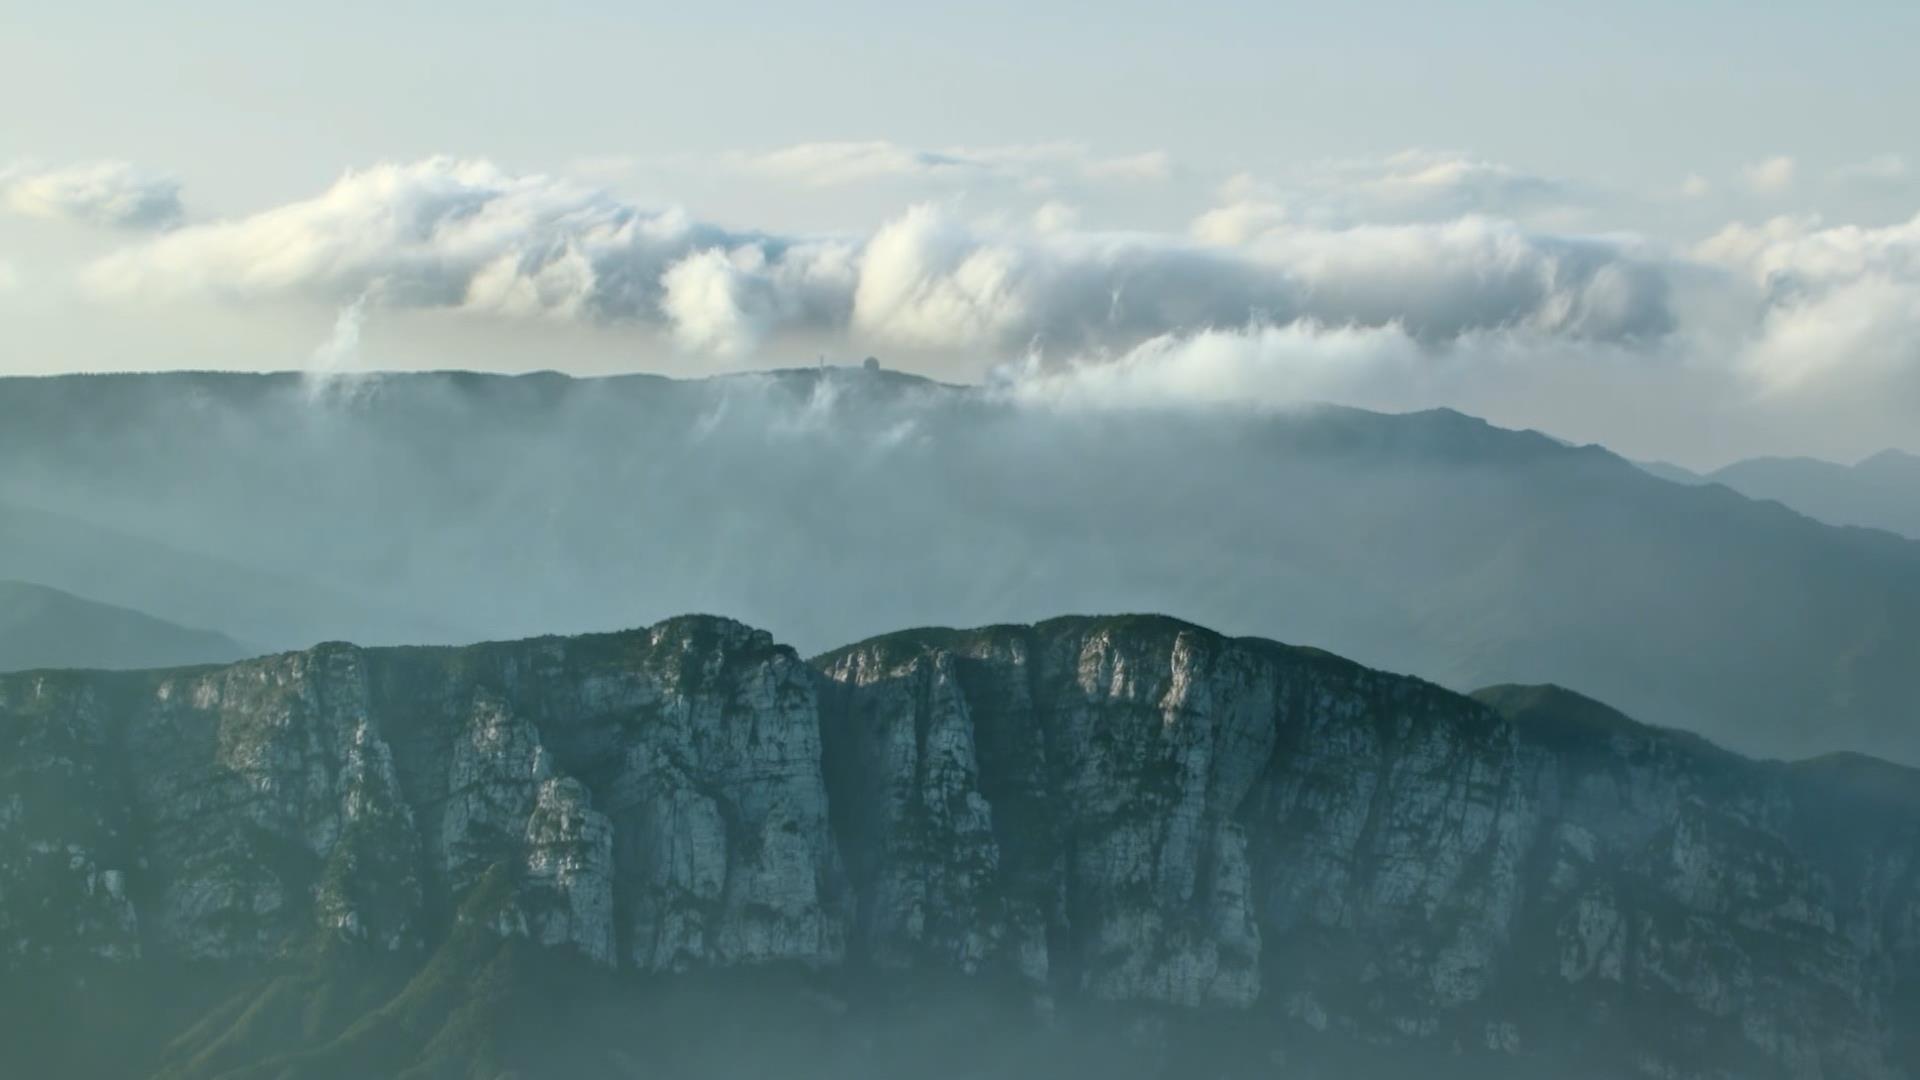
[[1206, 834], [656, 798]]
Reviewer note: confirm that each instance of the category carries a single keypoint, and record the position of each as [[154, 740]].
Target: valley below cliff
[[1114, 846]]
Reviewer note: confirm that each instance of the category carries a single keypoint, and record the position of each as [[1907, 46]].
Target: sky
[[1689, 231]]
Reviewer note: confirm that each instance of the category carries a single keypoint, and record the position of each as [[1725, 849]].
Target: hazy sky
[[1687, 230]]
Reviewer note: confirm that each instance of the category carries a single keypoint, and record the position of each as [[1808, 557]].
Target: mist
[[828, 504], [1216, 541]]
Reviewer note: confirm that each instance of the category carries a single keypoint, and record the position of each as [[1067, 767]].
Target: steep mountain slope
[[832, 504], [42, 627], [1881, 492], [1089, 847]]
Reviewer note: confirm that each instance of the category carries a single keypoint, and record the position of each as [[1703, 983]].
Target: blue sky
[[1706, 205]]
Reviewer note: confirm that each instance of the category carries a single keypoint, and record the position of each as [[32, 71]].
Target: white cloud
[[1772, 176], [1863, 334], [726, 303], [1793, 257], [708, 304], [1785, 325], [9, 276], [467, 235], [1261, 366], [1696, 186], [1837, 304], [1443, 280], [929, 280], [1450, 184], [1371, 281], [437, 233], [111, 193], [1238, 222]]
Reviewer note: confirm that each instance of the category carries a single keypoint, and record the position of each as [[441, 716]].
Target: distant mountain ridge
[[46, 628], [1879, 492], [1095, 847], [828, 504]]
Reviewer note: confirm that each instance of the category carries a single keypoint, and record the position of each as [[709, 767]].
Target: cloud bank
[[1418, 278], [447, 233]]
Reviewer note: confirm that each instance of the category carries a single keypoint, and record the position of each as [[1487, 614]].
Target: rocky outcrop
[[652, 800], [1128, 813], [1202, 821], [1069, 805]]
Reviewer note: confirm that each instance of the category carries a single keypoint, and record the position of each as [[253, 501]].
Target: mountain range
[[1124, 847], [1879, 492], [829, 504]]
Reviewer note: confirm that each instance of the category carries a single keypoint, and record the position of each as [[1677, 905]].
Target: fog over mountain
[[1004, 541], [1412, 279], [829, 504]]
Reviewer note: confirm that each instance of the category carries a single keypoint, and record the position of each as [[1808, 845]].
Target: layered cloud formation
[[445, 233], [1400, 281], [439, 233]]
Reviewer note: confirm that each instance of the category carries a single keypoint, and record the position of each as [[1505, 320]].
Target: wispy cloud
[[1037, 166], [1878, 170], [1772, 176], [110, 193], [1409, 186]]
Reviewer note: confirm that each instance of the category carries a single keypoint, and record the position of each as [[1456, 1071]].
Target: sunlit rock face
[[1129, 813]]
